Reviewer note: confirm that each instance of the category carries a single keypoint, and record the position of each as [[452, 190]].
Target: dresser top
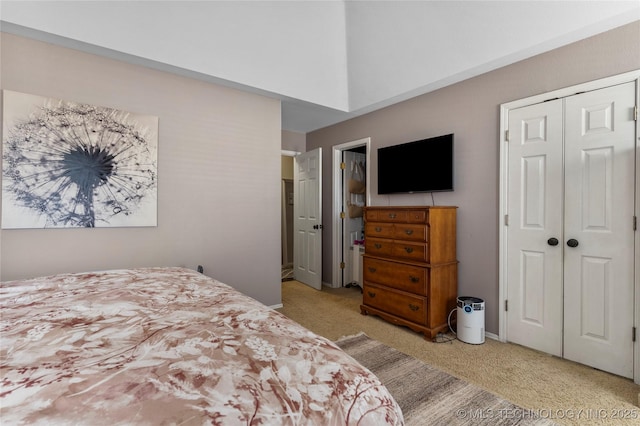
[[411, 207]]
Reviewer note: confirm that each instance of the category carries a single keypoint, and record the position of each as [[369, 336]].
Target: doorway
[[567, 240], [351, 160], [286, 225], [287, 229]]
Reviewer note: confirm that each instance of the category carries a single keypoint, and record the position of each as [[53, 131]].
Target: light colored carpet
[[429, 396], [571, 393]]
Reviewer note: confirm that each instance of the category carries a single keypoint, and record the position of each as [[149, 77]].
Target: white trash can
[[470, 319]]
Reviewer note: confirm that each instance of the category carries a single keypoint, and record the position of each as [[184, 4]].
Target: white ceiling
[[327, 60]]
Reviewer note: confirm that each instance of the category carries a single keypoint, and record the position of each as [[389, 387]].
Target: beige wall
[[218, 173], [287, 167], [470, 110], [293, 141]]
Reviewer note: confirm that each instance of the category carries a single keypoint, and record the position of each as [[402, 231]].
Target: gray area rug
[[429, 396]]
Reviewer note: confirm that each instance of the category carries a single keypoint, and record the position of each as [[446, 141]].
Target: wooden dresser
[[410, 270]]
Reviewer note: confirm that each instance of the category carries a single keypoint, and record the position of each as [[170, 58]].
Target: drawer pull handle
[[378, 245], [392, 215], [414, 279], [408, 249], [408, 231], [413, 307], [372, 270], [372, 294], [378, 229]]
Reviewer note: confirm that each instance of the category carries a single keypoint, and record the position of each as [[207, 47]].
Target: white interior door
[[599, 214], [570, 237], [307, 213], [535, 219]]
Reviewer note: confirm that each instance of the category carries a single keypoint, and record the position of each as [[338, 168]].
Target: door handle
[[553, 241], [572, 242], [317, 226]]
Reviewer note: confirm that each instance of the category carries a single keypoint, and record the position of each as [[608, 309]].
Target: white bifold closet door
[[570, 237]]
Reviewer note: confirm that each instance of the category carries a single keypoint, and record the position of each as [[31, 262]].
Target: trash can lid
[[470, 299]]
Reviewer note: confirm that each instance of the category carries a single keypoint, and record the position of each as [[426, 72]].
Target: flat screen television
[[424, 165]]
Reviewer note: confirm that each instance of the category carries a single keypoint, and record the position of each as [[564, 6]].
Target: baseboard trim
[[491, 336], [330, 285]]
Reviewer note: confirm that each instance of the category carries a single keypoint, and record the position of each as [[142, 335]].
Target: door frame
[[283, 247], [336, 185], [503, 200]]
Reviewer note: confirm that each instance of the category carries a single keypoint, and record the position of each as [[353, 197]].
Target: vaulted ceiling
[[326, 60]]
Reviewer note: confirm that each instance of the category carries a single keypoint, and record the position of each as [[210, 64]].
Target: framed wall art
[[70, 165]]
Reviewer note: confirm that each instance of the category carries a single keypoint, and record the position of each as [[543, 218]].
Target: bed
[[161, 346]]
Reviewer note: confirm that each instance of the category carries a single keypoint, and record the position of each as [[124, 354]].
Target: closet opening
[[350, 194]]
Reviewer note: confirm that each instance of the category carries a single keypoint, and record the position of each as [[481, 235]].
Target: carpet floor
[[572, 394], [429, 396]]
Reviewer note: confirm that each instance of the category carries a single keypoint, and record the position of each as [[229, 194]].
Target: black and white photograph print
[[73, 165]]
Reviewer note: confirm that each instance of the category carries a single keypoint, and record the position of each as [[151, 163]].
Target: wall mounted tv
[[425, 165]]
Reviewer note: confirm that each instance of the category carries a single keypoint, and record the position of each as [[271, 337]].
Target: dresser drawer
[[386, 215], [413, 279], [370, 215], [378, 246], [404, 305], [417, 252], [396, 215], [379, 229], [416, 216], [410, 232], [399, 231]]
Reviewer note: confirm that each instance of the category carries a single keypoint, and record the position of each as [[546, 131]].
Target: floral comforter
[[158, 346]]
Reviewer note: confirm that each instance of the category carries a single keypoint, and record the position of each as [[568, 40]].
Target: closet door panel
[[599, 237], [534, 275]]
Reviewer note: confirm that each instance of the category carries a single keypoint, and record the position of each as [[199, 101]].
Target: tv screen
[[425, 165]]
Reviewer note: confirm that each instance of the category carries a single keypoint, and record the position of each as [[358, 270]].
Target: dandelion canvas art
[[69, 165]]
